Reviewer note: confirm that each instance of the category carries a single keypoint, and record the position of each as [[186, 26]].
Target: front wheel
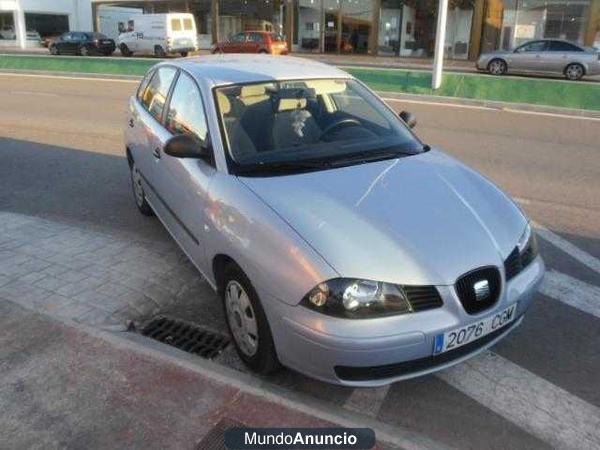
[[159, 52], [138, 192], [83, 51], [247, 322], [184, 54], [54, 50], [125, 50], [497, 67], [574, 72]]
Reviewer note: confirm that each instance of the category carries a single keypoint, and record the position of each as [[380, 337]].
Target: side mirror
[[185, 146], [409, 119]]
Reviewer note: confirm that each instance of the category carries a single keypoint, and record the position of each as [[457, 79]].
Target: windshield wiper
[[283, 166], [370, 156]]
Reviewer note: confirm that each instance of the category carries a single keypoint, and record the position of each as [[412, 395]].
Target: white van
[[158, 34]]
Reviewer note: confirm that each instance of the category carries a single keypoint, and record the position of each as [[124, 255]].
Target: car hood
[[423, 219]]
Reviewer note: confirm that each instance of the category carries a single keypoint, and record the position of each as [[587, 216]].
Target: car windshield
[[308, 124]]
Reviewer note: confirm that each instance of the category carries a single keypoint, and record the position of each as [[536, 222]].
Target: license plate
[[458, 337]]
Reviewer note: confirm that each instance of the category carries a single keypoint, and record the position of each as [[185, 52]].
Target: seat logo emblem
[[482, 290]]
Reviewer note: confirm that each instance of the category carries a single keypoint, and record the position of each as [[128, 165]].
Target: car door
[[65, 43], [235, 43], [145, 125], [182, 184], [559, 55], [528, 57], [254, 43]]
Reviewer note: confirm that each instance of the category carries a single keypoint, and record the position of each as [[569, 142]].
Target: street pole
[[440, 42]]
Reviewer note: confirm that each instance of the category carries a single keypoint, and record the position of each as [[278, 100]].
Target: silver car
[[341, 245], [545, 56]]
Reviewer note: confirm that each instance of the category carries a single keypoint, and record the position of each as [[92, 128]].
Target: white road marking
[[367, 401], [530, 402], [572, 291], [523, 201], [42, 94], [570, 249], [67, 77]]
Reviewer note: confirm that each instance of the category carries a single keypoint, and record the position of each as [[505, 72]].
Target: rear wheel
[[574, 72], [184, 54], [83, 51], [263, 51], [54, 50], [217, 51], [247, 321], [159, 52], [497, 67], [125, 50], [138, 191]]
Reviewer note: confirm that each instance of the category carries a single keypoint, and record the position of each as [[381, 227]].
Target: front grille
[[418, 365], [423, 298], [465, 289]]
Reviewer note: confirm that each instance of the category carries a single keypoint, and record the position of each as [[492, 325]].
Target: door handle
[[156, 153], [131, 123]]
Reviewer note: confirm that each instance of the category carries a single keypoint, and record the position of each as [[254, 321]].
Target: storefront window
[[458, 28], [7, 27], [390, 27], [357, 21], [524, 20], [246, 15], [310, 14], [331, 35]]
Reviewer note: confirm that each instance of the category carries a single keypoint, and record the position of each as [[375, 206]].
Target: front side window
[[320, 123], [255, 37], [188, 25], [156, 92], [538, 46], [186, 110], [175, 24]]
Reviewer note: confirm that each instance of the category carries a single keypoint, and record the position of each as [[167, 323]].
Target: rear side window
[[155, 94], [175, 24], [188, 25], [186, 110], [559, 46], [538, 46]]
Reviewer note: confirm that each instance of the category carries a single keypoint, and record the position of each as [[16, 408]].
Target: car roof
[[236, 68]]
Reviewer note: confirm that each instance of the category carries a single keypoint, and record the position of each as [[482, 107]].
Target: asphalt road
[[62, 159]]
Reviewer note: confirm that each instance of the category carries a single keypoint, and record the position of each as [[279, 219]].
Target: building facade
[[402, 28]]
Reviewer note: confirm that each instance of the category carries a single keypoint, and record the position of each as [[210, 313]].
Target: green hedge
[[538, 91], [473, 86]]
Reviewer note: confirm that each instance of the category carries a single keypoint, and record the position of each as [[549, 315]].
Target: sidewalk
[[67, 386]]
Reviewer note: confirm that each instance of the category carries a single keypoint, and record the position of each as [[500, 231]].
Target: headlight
[[357, 299], [527, 246]]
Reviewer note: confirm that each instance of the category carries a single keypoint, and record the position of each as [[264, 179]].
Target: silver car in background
[[340, 244], [544, 56]]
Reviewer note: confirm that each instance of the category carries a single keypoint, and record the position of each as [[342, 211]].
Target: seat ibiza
[[340, 244]]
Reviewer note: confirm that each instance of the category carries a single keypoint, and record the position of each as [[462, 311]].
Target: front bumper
[[377, 352]]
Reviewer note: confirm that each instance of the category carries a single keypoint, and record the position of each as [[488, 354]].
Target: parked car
[[8, 32], [253, 42], [159, 35], [82, 43], [544, 56], [49, 39], [340, 244]]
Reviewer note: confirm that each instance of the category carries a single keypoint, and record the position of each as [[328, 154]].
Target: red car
[[253, 42]]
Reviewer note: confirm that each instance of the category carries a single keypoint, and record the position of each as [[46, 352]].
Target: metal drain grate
[[215, 438], [186, 336]]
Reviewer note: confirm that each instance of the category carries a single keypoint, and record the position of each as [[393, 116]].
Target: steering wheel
[[338, 124]]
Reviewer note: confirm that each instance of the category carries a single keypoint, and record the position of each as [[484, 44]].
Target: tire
[[54, 50], [159, 52], [263, 52], [184, 54], [83, 51], [125, 50], [138, 191], [574, 72], [217, 51], [497, 67], [242, 307]]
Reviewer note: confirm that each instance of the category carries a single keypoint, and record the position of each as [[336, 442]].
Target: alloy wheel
[[574, 72], [497, 67], [241, 318]]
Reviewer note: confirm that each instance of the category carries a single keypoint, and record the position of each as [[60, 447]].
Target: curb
[[491, 104], [248, 384]]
